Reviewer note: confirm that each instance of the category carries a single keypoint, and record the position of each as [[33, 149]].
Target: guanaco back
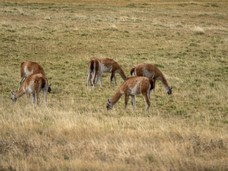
[[152, 72], [132, 87], [98, 66], [28, 68]]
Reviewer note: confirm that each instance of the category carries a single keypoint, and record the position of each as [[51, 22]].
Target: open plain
[[187, 40]]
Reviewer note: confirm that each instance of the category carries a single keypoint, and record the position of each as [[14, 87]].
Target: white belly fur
[[103, 68], [136, 89], [147, 73], [30, 89]]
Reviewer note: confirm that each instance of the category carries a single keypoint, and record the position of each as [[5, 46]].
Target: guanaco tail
[[132, 87], [152, 72], [28, 68], [98, 66], [33, 84]]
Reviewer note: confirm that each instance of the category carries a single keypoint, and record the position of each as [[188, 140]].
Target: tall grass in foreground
[[51, 138]]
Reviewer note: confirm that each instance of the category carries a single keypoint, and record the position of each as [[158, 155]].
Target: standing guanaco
[[33, 84], [152, 72], [132, 87], [28, 68], [98, 66]]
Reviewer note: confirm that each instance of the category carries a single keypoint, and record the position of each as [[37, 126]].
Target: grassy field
[[188, 41]]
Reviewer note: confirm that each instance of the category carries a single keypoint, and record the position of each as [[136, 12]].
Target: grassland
[[188, 41]]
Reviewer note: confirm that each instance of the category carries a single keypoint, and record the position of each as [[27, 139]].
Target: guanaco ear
[[12, 92]]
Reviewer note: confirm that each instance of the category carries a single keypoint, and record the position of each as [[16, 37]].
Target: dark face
[[109, 105], [169, 92], [49, 89], [13, 97]]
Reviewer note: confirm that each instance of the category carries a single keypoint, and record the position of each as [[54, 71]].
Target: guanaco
[[132, 87], [28, 68], [33, 84], [98, 66], [152, 72]]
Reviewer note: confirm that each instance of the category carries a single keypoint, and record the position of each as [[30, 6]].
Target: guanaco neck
[[20, 92], [122, 74], [164, 81], [116, 97]]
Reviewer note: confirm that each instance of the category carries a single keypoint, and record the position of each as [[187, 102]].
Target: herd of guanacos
[[142, 81]]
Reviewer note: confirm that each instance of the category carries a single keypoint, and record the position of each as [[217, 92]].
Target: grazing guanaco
[[152, 72], [33, 84], [28, 68], [98, 66], [132, 87]]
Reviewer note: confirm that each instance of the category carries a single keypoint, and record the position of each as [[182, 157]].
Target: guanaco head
[[109, 105], [13, 96], [169, 90], [49, 88]]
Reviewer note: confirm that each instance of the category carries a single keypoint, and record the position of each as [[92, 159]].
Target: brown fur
[[32, 67], [33, 84], [28, 68], [132, 87], [98, 66], [152, 72]]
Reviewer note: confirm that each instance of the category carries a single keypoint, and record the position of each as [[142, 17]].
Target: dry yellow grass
[[185, 131]]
